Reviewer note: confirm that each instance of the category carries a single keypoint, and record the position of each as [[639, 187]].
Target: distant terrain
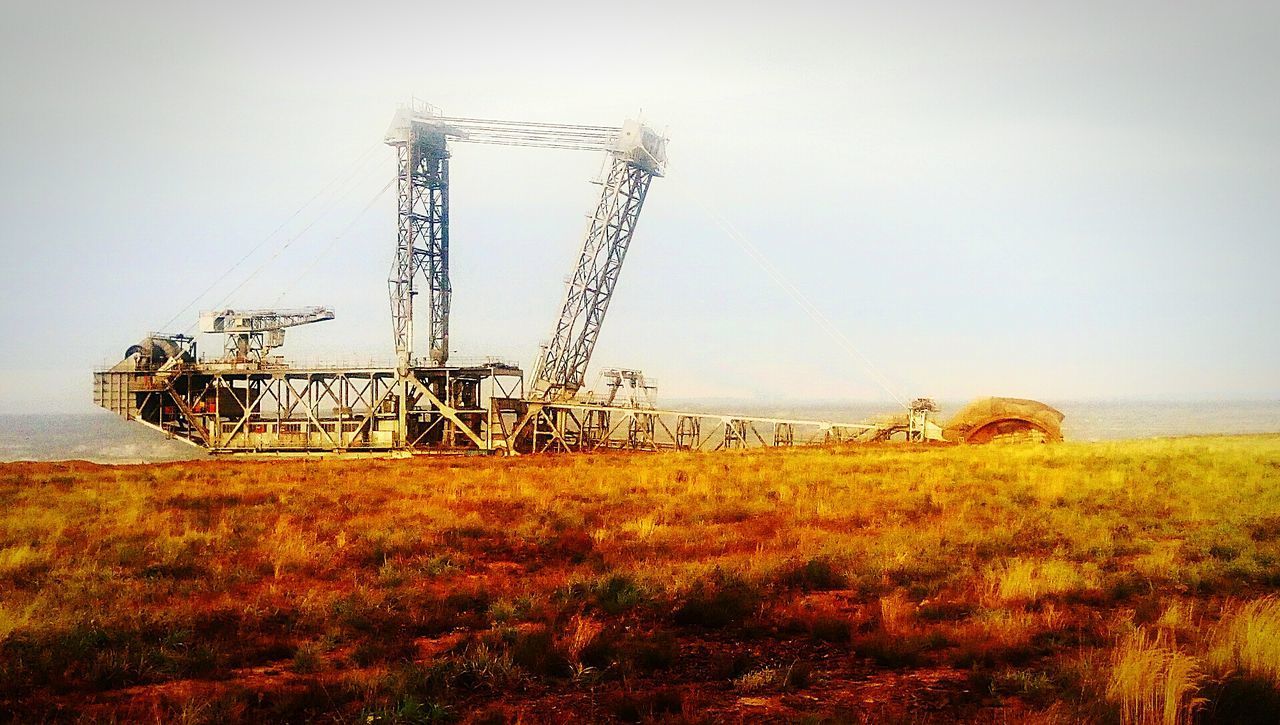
[[1132, 580]]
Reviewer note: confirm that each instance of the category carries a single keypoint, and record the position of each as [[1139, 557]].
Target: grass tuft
[[1248, 641], [1153, 683], [816, 574], [1024, 580]]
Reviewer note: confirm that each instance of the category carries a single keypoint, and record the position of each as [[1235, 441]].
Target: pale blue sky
[[1052, 200]]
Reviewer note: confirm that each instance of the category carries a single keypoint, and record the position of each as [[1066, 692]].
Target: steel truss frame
[[562, 366], [310, 411], [583, 427], [280, 411]]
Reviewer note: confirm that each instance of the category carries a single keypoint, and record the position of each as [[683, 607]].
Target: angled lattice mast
[[638, 156]]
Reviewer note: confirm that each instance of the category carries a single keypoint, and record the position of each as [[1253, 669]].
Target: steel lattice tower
[[422, 242]]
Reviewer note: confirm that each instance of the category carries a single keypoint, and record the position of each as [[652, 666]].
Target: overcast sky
[[1059, 201]]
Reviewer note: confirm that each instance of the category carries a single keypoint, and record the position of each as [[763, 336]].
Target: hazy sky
[[1048, 200]]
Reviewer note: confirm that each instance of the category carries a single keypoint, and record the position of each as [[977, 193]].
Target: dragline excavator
[[248, 401]]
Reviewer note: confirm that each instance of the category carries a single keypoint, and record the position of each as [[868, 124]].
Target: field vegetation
[[1106, 582]]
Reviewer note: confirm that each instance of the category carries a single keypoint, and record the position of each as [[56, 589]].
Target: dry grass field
[[1132, 581]]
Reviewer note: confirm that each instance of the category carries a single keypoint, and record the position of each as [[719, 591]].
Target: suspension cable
[[334, 242], [797, 296], [341, 178]]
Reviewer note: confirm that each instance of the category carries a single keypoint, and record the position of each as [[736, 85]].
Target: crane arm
[[246, 321]]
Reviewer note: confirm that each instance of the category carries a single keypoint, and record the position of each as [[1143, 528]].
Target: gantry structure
[[248, 401]]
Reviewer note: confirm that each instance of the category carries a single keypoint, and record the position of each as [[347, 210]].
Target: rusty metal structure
[[991, 420], [248, 401]]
